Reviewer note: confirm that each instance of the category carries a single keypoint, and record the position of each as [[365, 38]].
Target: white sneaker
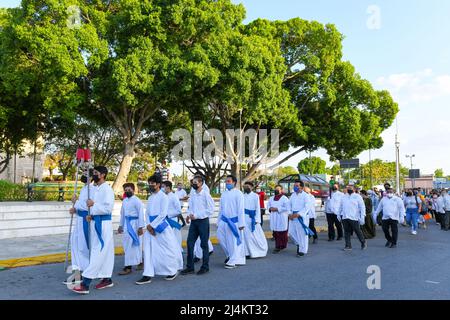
[[414, 232]]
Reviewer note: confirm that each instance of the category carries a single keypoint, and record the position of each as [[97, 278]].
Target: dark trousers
[[281, 239], [441, 217], [198, 228], [447, 220], [313, 228], [351, 226], [332, 222], [263, 212], [393, 225]]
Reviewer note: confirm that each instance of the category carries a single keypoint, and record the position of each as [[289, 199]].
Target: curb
[[60, 257]]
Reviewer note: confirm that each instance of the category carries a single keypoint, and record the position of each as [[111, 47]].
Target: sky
[[402, 46]]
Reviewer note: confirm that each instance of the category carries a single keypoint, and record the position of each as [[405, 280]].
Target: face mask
[[229, 186], [415, 192], [258, 190], [350, 191], [334, 188], [96, 178], [296, 189], [247, 190], [435, 196], [179, 188], [84, 179], [152, 189], [277, 192], [195, 186], [129, 194], [390, 195]]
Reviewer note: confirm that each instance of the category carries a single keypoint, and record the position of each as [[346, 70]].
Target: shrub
[[12, 192]]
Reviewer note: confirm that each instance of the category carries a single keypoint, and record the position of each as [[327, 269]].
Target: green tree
[[439, 173], [313, 165]]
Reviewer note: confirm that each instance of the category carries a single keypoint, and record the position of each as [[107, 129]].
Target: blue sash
[[308, 231], [252, 215], [98, 225], [84, 214], [231, 223], [161, 227], [131, 231], [174, 224]]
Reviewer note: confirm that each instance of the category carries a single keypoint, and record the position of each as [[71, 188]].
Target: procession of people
[[152, 237]]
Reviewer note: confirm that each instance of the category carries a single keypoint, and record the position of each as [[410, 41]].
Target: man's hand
[[140, 232], [88, 218], [273, 209], [72, 210], [74, 198], [188, 220], [241, 228], [90, 203], [192, 217], [151, 230], [120, 230]]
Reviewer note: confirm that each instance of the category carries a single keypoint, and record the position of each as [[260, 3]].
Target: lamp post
[[411, 159]]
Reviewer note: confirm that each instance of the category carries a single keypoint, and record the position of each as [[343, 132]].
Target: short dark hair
[[364, 192], [102, 170], [167, 183], [156, 178], [129, 185], [279, 185], [232, 178], [387, 184], [199, 177], [249, 183], [302, 184]]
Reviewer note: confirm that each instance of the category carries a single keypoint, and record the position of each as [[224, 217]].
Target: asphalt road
[[418, 269]]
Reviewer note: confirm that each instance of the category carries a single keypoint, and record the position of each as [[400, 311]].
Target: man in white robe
[[254, 238], [279, 209], [231, 223], [131, 226], [173, 211], [301, 207], [101, 262], [161, 248]]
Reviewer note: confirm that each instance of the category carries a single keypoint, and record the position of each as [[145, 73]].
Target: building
[[425, 182]]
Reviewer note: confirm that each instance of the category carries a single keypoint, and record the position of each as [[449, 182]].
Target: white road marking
[[433, 282]]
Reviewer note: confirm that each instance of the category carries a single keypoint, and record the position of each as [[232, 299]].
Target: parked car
[[320, 188]]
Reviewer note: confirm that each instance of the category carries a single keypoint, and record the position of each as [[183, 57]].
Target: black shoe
[[315, 241], [211, 252], [170, 278], [202, 271], [339, 239], [364, 246], [388, 244], [392, 246], [187, 271], [247, 257], [226, 260], [196, 260], [144, 280], [300, 254]]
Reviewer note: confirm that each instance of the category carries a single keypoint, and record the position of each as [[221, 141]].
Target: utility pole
[[411, 159], [397, 159]]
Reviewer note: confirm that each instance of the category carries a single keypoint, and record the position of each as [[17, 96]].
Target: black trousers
[[332, 222], [447, 220], [351, 226], [313, 228], [198, 228], [393, 226], [441, 217], [263, 212]]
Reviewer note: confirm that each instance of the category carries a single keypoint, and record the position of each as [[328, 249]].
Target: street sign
[[349, 164], [414, 174]]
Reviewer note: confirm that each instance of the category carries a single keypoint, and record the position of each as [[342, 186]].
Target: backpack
[[424, 209]]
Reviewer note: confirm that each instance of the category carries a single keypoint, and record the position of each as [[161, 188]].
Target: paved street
[[417, 269]]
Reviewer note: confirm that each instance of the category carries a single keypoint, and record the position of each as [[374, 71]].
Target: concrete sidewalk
[[26, 251]]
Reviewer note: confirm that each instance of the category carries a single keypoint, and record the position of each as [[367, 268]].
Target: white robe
[[279, 219], [174, 210], [79, 245], [231, 206], [132, 207], [302, 204], [198, 251], [255, 241], [161, 251], [101, 264]]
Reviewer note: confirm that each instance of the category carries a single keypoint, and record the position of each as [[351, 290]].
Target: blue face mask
[[229, 186], [296, 189]]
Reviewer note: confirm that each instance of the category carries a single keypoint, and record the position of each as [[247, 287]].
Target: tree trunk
[[125, 167]]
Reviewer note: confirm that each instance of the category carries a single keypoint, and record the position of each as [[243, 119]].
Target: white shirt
[[312, 206], [392, 208], [300, 203], [440, 204], [201, 205], [279, 219], [232, 205], [174, 208], [353, 208], [157, 205], [251, 202], [446, 200], [132, 207], [334, 204], [103, 200], [181, 194], [411, 202]]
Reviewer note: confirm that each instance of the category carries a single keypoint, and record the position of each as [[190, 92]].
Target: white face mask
[[258, 190], [390, 195]]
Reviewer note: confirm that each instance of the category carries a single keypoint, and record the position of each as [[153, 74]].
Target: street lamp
[[411, 158]]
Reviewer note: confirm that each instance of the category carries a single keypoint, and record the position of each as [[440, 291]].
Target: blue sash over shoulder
[[231, 223], [98, 225], [83, 214], [252, 215], [161, 227], [131, 231]]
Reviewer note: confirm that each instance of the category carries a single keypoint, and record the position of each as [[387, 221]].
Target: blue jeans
[[412, 217], [198, 228]]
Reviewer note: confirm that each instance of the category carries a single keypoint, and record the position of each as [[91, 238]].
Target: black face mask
[[277, 192], [195, 186], [247, 190], [350, 191], [152, 189], [96, 178], [129, 194], [334, 188], [84, 179]]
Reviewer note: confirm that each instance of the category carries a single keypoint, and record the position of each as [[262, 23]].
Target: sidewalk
[[18, 252]]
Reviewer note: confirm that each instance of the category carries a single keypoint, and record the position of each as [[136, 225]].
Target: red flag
[[87, 155], [80, 155]]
